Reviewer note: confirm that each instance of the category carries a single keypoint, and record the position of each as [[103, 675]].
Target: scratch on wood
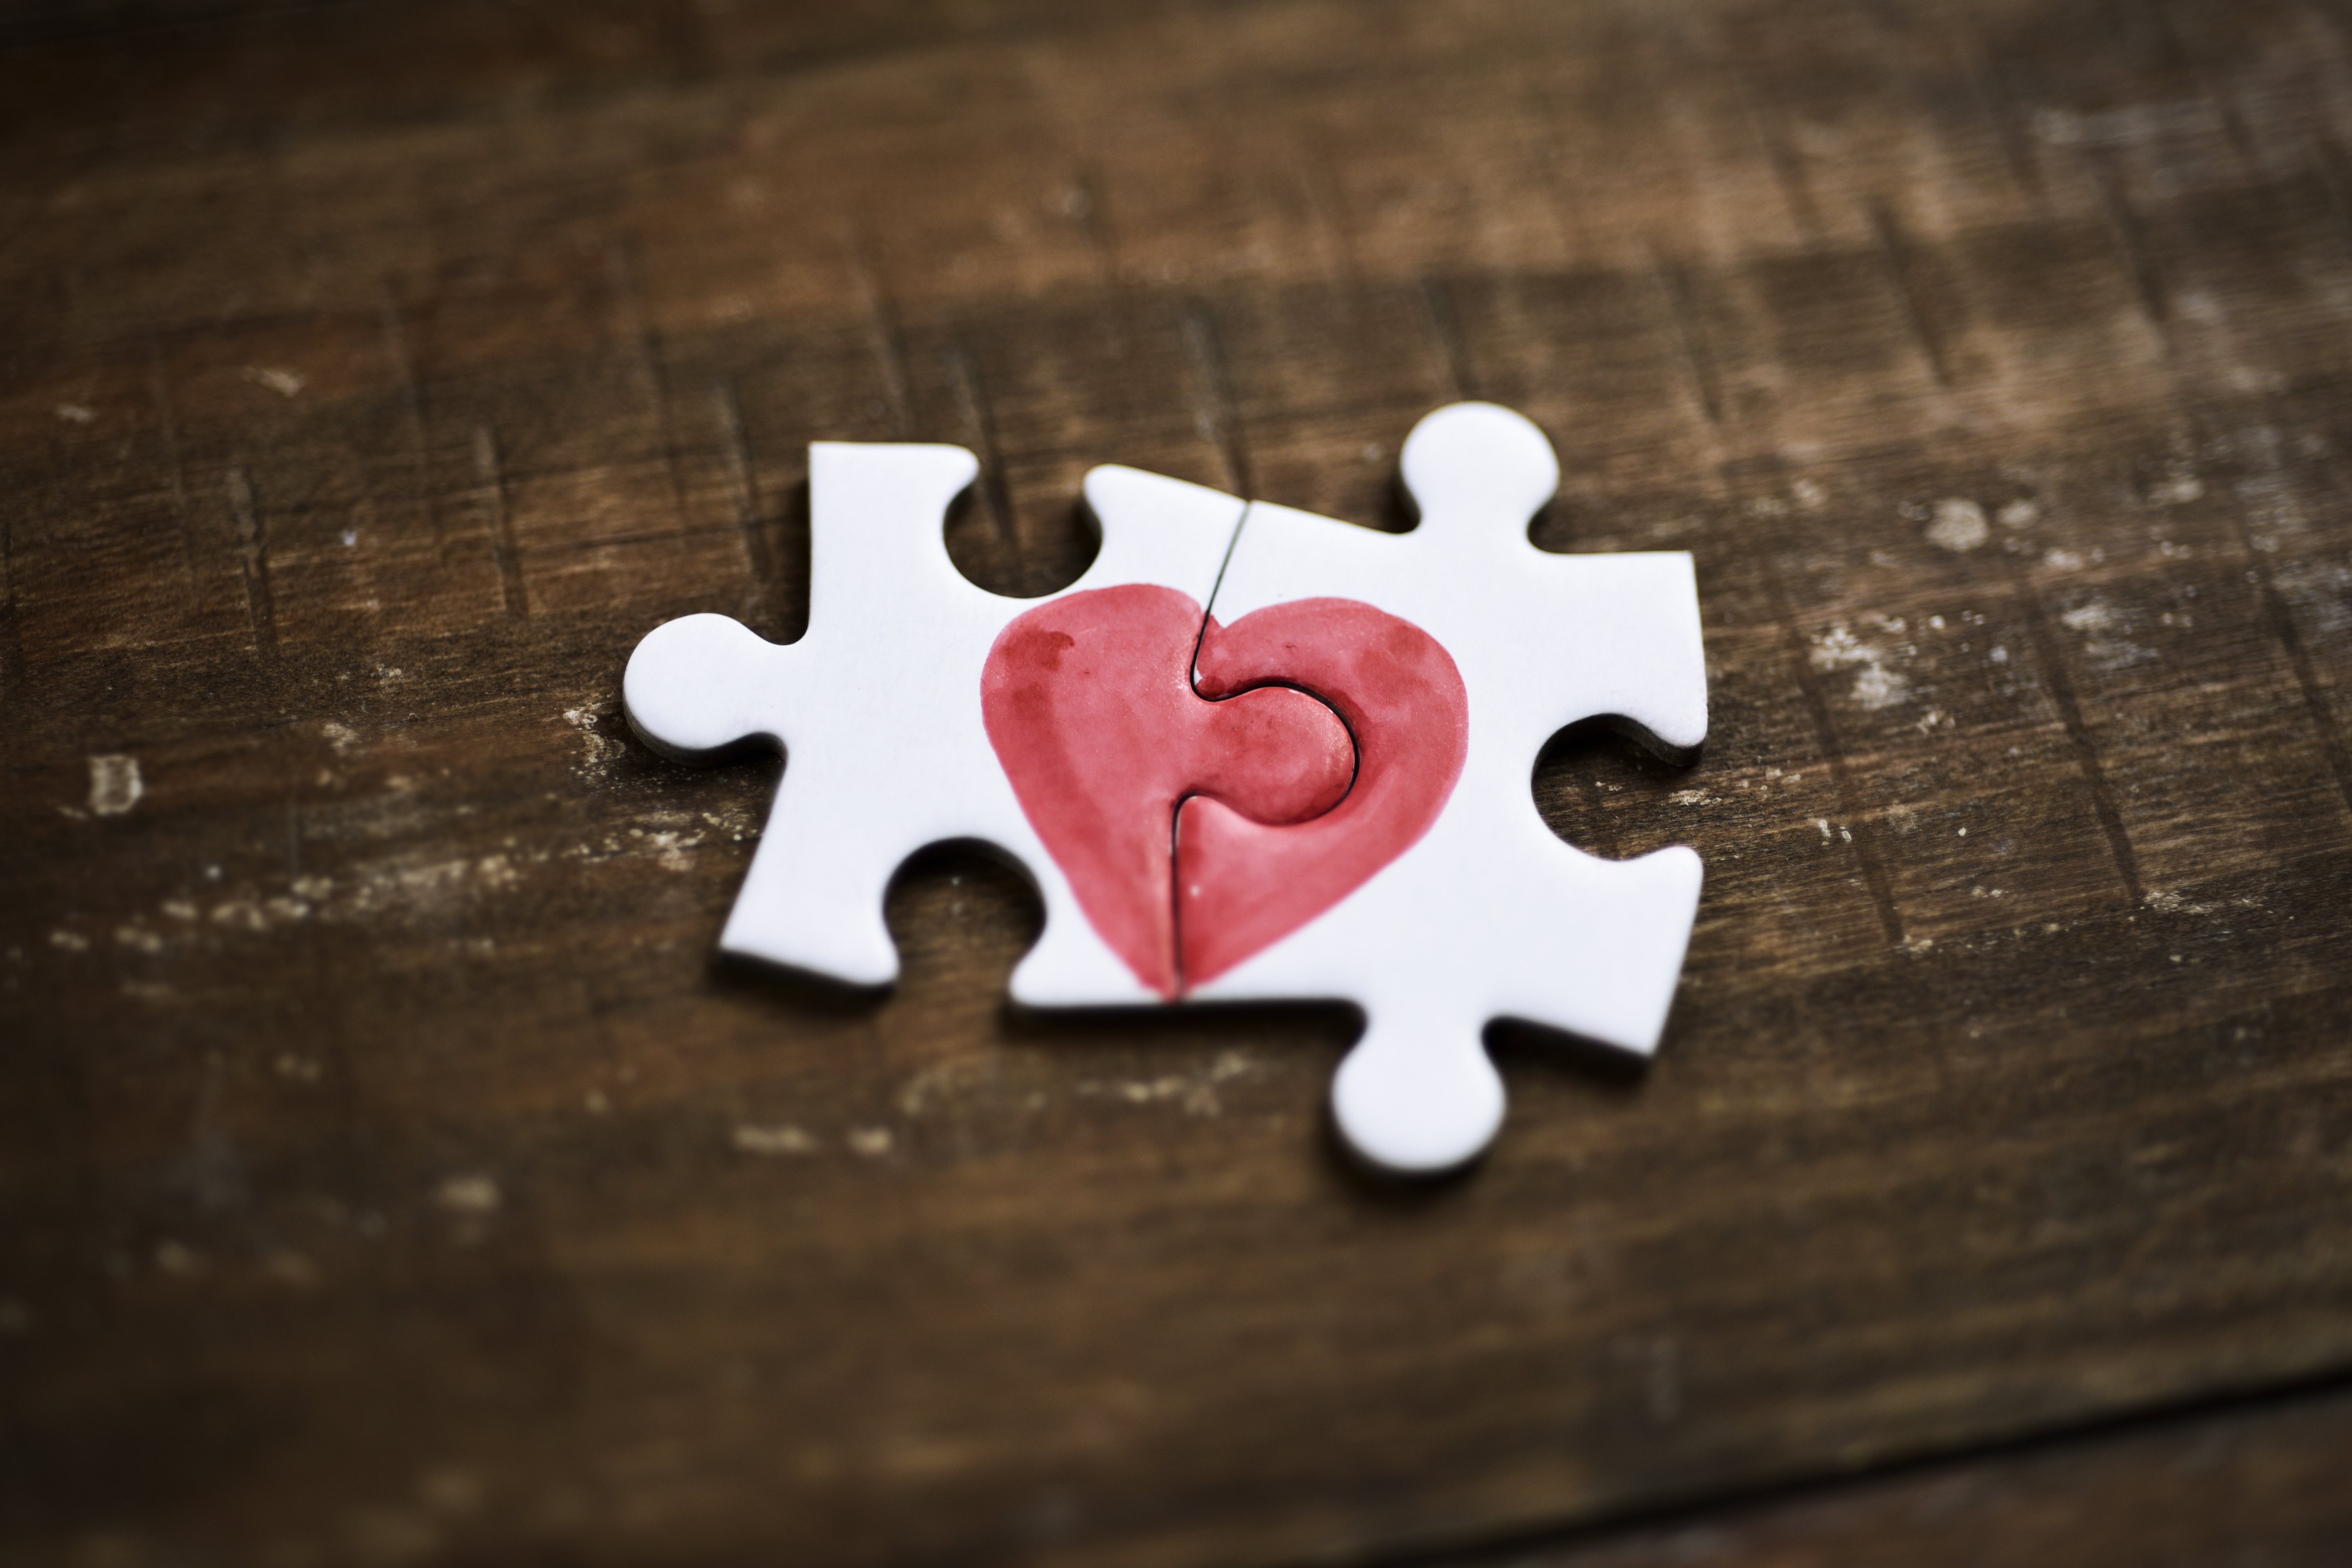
[[652, 378], [1206, 347], [2306, 678], [2129, 238], [1682, 317], [1895, 250], [491, 476], [971, 395], [1438, 308], [1553, 161], [1604, 836], [889, 341], [2155, 28], [160, 387], [1865, 840], [1766, 121], [12, 646], [253, 562], [2052, 659], [1327, 212], [2000, 113], [2321, 23], [621, 275], [412, 398], [743, 480], [2328, 161], [1084, 202]]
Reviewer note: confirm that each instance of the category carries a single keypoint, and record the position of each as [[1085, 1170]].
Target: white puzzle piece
[[878, 709], [1488, 914]]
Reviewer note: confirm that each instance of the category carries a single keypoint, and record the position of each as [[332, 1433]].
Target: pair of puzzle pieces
[[1250, 754]]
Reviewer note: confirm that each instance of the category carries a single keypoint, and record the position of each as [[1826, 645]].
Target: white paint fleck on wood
[[115, 786]]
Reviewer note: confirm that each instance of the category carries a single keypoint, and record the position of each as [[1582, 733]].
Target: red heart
[[1131, 778]]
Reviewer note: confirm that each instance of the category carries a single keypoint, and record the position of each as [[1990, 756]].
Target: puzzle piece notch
[[1488, 914]]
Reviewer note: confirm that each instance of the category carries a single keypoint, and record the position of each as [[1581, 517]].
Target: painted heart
[[1196, 831]]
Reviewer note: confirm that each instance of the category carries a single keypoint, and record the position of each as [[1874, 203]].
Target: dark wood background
[[389, 1174]]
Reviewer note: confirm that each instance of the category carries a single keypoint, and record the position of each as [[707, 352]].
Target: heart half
[[1195, 833]]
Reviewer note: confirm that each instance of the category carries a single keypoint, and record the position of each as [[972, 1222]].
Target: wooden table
[[389, 1173]]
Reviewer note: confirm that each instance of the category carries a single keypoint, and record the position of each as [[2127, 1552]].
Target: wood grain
[[389, 1173]]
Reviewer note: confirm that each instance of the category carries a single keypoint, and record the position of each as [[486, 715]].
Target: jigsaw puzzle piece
[[1486, 914], [878, 711]]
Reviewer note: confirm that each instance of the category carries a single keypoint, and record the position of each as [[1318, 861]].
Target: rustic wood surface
[[388, 1174]]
